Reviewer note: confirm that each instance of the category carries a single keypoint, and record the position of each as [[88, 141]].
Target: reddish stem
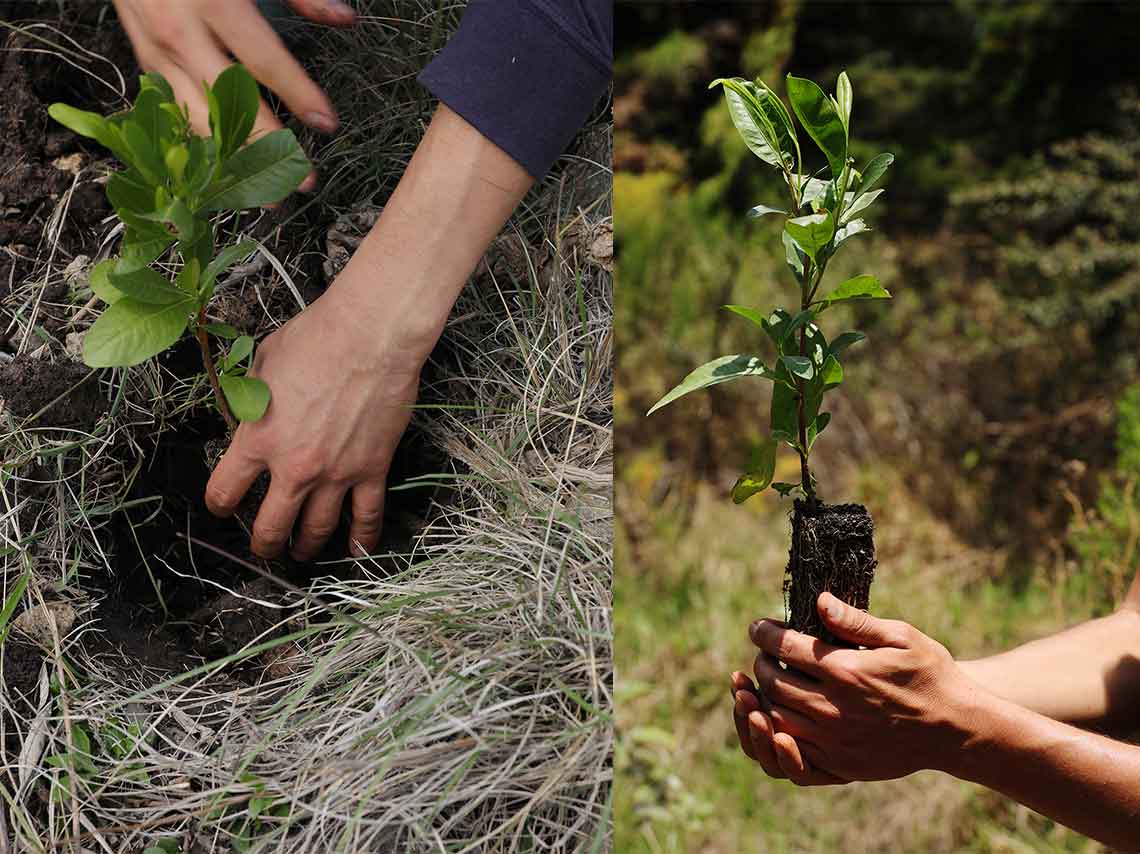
[[211, 372]]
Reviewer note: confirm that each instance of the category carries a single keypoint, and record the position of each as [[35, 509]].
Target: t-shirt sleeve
[[526, 73]]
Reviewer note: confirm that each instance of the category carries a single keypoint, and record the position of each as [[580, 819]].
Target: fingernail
[[339, 10], [322, 122]]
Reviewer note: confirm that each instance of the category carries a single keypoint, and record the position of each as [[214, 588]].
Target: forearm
[[1083, 780], [1089, 674], [452, 200]]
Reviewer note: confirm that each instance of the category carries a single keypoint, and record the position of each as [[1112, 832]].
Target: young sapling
[[832, 547], [174, 183]]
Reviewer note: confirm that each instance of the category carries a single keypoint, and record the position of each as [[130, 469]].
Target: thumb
[[857, 626]]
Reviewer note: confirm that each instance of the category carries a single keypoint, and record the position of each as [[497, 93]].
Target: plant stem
[[211, 372], [806, 293]]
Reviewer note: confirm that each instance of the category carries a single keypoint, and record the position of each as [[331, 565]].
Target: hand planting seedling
[[832, 547], [174, 182]]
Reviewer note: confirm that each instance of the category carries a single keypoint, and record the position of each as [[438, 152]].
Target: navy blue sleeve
[[526, 73]]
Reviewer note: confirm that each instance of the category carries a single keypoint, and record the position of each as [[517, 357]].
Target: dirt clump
[[833, 551], [58, 394]]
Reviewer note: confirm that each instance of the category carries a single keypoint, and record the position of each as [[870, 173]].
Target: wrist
[[976, 723]]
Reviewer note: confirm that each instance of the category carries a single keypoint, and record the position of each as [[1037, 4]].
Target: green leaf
[[145, 242], [177, 156], [785, 406], [860, 287], [763, 210], [749, 314], [785, 488], [143, 284], [760, 119], [248, 397], [91, 125], [816, 427], [241, 348], [233, 109], [144, 152], [158, 124], [262, 173], [131, 197], [812, 232], [759, 474], [779, 325], [221, 330], [130, 332], [874, 170], [11, 602], [819, 118], [860, 203], [794, 256], [717, 371], [856, 226], [227, 258], [844, 341], [100, 281], [832, 373], [258, 805], [844, 98], [799, 366], [154, 80]]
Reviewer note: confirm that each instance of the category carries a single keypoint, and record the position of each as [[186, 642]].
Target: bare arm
[[1089, 674], [1083, 780]]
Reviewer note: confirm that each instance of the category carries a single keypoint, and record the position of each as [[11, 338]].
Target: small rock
[[37, 622], [71, 163]]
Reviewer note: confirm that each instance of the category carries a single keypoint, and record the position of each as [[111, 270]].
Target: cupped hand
[[876, 713], [192, 41], [342, 391]]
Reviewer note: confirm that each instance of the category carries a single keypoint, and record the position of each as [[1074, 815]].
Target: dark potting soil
[[833, 550], [64, 394]]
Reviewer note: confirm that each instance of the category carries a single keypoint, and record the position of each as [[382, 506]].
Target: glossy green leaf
[[818, 116], [749, 314], [240, 350], [832, 373], [812, 232], [143, 284], [760, 119], [158, 124], [10, 603], [843, 99], [856, 226], [794, 256], [759, 475], [130, 332], [784, 412], [764, 210], [874, 170], [130, 196], [233, 109], [860, 203], [154, 80], [785, 489], [799, 366], [145, 242], [844, 341], [717, 371], [262, 173], [145, 155], [860, 287], [816, 427], [779, 325], [248, 397]]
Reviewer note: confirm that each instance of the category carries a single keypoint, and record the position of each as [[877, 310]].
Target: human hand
[[859, 714], [191, 41], [342, 391], [777, 752]]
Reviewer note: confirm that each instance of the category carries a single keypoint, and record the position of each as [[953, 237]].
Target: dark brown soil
[[64, 394], [833, 551]]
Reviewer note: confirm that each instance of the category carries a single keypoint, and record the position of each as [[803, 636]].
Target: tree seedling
[[822, 214], [174, 183]]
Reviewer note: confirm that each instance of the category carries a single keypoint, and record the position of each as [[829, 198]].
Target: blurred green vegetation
[[987, 422]]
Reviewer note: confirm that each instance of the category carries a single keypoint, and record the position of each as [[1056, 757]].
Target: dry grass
[[453, 697]]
